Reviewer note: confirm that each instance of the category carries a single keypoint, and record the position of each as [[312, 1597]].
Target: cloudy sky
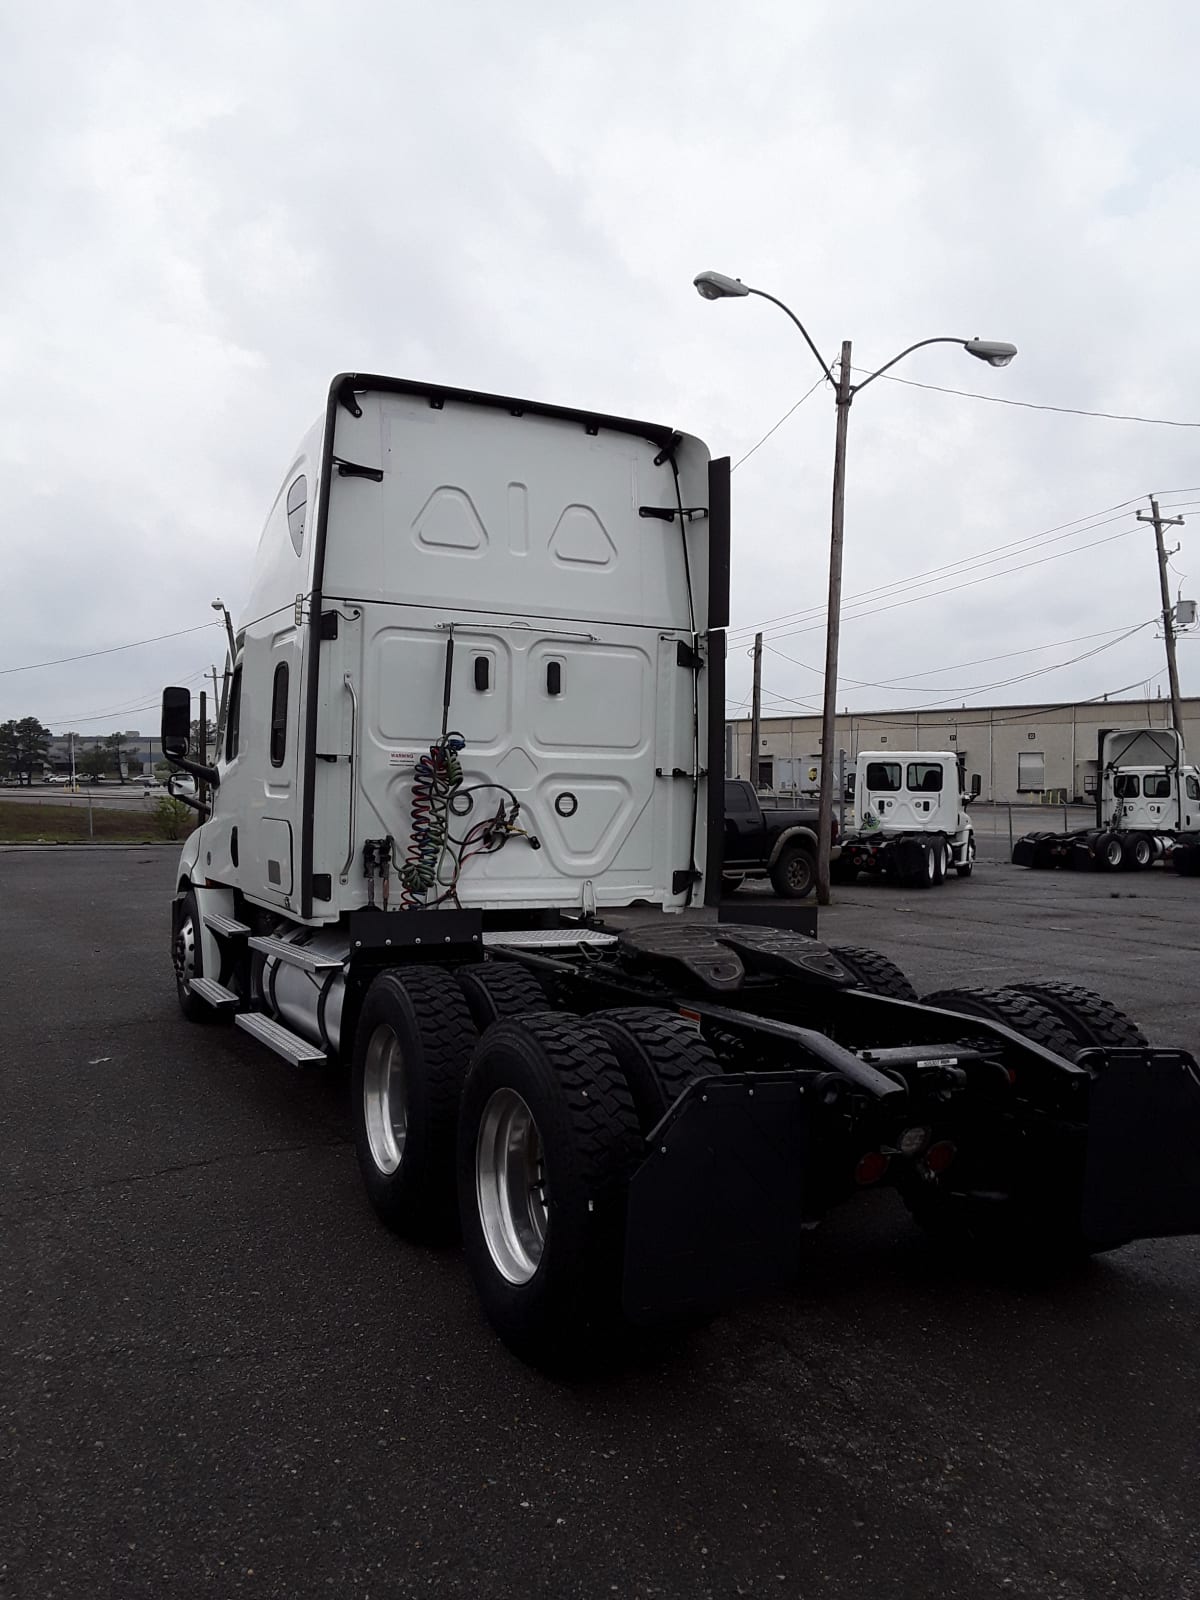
[[207, 211]]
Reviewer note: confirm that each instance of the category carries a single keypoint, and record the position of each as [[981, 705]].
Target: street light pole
[[717, 286], [833, 619]]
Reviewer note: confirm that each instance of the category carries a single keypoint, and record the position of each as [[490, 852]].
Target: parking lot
[[221, 1376]]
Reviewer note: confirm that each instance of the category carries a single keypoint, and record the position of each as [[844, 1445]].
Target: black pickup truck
[[779, 843]]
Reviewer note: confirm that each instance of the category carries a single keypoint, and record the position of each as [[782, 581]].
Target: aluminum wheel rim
[[185, 953], [510, 1186], [385, 1100], [797, 873]]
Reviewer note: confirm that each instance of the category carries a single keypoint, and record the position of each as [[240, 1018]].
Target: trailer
[[464, 839], [1147, 810], [910, 819]]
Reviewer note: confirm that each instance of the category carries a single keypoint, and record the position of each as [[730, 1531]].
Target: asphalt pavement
[[221, 1377]]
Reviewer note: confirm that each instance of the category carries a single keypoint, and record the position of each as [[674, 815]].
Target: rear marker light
[[871, 1168], [939, 1156]]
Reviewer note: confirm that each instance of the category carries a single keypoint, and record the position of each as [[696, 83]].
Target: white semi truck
[[910, 819], [1147, 810], [464, 837]]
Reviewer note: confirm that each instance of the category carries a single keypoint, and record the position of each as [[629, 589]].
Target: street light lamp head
[[993, 351], [716, 286], [218, 604]]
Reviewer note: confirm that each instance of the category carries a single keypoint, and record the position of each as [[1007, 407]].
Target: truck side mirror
[[976, 785], [176, 729]]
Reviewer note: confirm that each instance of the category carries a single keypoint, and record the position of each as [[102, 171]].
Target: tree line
[[25, 752]]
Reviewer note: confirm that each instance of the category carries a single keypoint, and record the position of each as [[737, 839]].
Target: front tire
[[548, 1140], [187, 958], [411, 1049]]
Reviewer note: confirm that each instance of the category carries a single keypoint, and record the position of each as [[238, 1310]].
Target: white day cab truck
[[1147, 810], [910, 819], [465, 838]]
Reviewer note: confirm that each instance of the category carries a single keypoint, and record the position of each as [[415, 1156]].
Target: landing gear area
[[630, 1130]]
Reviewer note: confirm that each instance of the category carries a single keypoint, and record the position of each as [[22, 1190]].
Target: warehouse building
[[1021, 753]]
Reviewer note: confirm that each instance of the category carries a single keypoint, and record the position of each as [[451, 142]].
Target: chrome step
[[216, 994], [226, 925], [537, 938], [282, 1040], [295, 955]]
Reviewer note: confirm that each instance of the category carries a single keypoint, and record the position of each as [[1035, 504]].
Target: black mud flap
[[716, 1209], [1143, 1153]]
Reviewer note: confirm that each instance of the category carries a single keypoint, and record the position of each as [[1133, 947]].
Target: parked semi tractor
[[465, 838], [910, 819], [1147, 810]]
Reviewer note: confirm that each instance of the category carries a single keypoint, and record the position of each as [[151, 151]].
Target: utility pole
[[833, 617], [1168, 616], [756, 711]]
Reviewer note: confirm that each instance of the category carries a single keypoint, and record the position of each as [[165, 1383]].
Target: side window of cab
[[233, 725]]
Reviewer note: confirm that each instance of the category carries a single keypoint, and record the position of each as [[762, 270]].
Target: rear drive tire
[[941, 860], [1136, 852], [494, 990], [1109, 852], [411, 1049], [1021, 1012], [1090, 1018], [873, 971], [925, 873], [187, 958], [794, 873], [659, 1054], [548, 1140], [1035, 1229]]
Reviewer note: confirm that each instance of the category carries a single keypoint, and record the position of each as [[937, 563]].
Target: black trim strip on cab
[[312, 684], [718, 621]]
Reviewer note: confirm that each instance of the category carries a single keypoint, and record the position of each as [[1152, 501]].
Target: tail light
[[871, 1168], [939, 1156]]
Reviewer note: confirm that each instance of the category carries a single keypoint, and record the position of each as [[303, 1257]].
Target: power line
[[125, 710], [1033, 405], [987, 557], [778, 425], [1000, 683], [979, 661], [953, 588], [90, 655], [877, 719]]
